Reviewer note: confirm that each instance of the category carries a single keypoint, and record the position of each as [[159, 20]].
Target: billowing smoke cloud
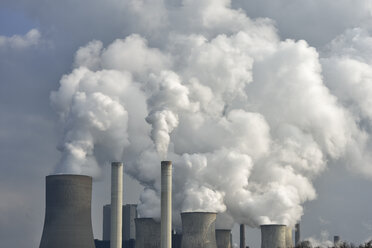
[[246, 118]]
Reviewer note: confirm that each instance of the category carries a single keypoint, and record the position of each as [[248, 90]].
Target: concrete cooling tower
[[198, 230], [223, 238], [147, 233], [288, 237], [273, 236], [68, 212]]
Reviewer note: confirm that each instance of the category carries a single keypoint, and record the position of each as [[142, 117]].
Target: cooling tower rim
[[264, 225], [197, 212], [67, 175]]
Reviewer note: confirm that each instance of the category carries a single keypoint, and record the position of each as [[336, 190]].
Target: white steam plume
[[246, 118]]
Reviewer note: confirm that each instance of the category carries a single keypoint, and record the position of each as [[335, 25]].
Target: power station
[[68, 219]]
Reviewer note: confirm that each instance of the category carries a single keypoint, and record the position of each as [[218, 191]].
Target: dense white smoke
[[245, 117]]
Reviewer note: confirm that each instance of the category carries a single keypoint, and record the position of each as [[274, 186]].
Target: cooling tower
[[273, 236], [166, 204], [288, 237], [242, 236], [147, 233], [116, 205], [68, 212], [198, 230], [223, 238]]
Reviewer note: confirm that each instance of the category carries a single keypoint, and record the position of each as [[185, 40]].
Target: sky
[[298, 72]]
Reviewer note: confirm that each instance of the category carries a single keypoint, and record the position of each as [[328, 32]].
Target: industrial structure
[[147, 233], [336, 240], [68, 212], [68, 219], [129, 228], [223, 238], [106, 222], [297, 234], [116, 205], [242, 236], [273, 236], [198, 230], [288, 237], [166, 204]]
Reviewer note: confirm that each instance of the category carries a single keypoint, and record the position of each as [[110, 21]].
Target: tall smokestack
[[297, 234], [166, 204], [198, 230], [223, 238], [147, 233], [288, 237], [242, 236], [68, 212], [273, 236], [116, 205]]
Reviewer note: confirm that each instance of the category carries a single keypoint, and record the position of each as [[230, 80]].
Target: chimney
[[242, 236], [198, 230], [288, 237], [273, 236], [68, 212], [223, 238], [166, 204], [147, 233], [116, 205], [297, 235]]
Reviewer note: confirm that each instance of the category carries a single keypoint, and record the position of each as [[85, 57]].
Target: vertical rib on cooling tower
[[198, 230], [68, 212], [147, 233], [223, 238], [273, 236]]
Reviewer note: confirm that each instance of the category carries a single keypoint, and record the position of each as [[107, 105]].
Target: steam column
[[116, 204], [166, 204]]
